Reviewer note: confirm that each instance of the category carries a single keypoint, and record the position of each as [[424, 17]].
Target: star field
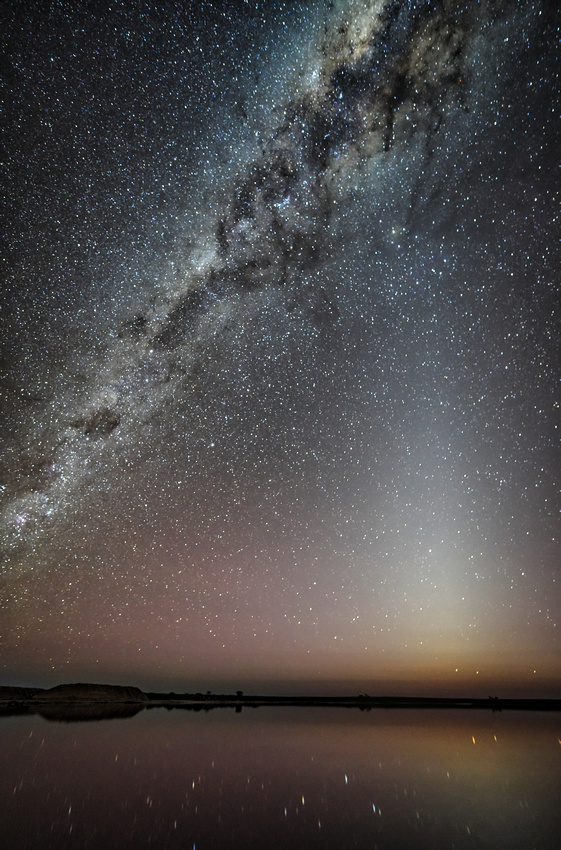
[[280, 349]]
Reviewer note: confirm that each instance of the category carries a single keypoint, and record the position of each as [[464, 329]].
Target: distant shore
[[117, 695], [363, 702]]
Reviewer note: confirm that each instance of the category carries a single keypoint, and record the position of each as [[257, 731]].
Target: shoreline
[[115, 695], [361, 702]]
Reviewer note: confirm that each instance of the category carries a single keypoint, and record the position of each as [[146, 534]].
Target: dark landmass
[[362, 702], [12, 693], [74, 693], [97, 693], [73, 702]]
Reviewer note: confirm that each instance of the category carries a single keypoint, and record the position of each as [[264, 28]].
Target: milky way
[[280, 347]]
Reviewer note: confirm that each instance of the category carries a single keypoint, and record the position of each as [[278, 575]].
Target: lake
[[272, 778]]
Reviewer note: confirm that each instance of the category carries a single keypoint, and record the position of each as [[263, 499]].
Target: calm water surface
[[283, 778]]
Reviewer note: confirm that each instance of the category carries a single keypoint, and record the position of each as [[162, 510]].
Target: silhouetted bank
[[76, 702], [93, 701], [363, 702]]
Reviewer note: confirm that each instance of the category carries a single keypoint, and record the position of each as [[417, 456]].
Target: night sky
[[280, 314]]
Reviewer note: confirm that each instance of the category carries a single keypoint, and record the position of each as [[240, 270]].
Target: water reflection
[[283, 778]]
